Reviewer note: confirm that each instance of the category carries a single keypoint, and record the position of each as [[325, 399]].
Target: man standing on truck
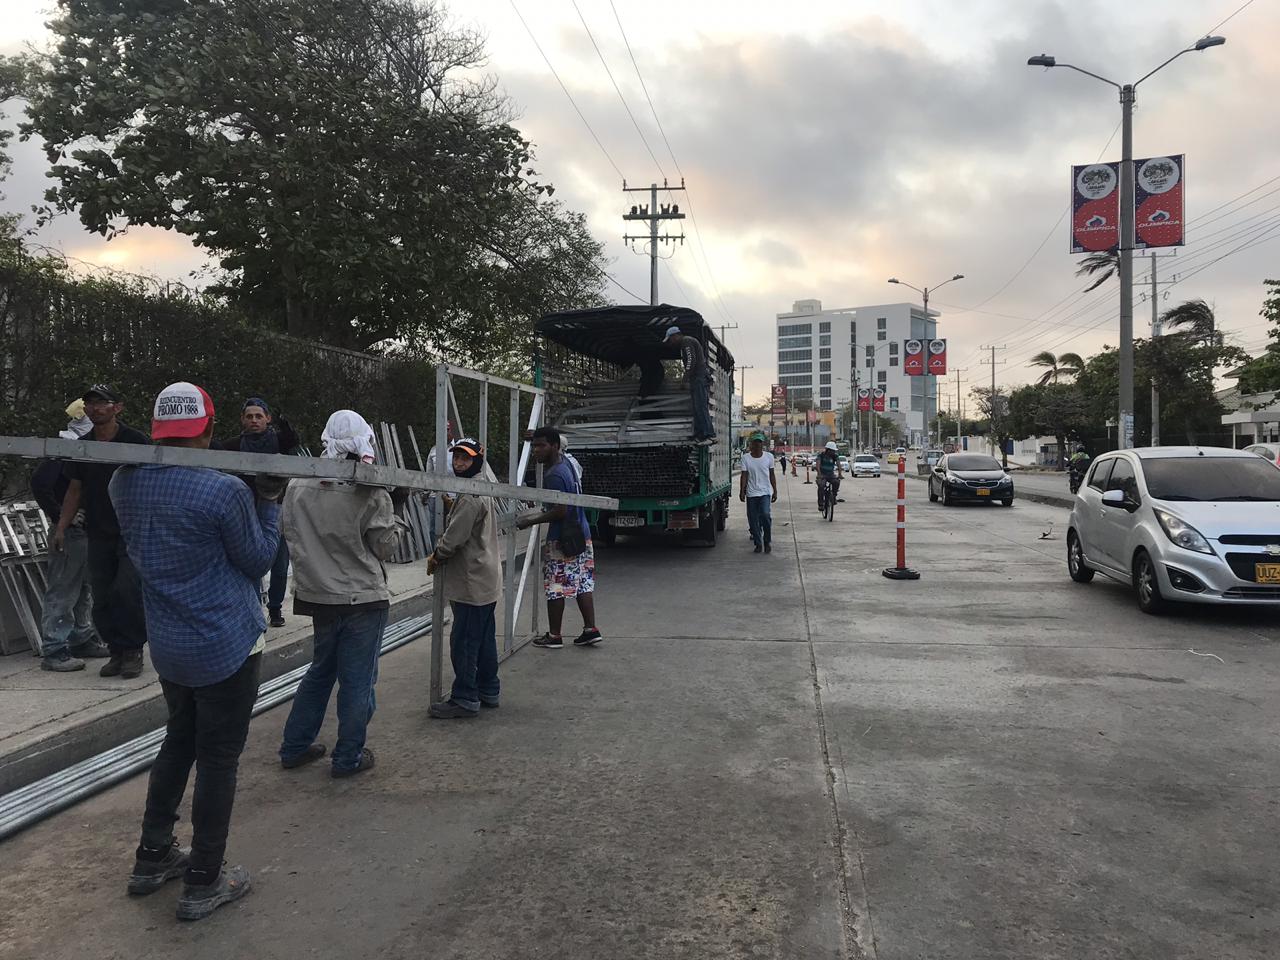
[[758, 489], [698, 379]]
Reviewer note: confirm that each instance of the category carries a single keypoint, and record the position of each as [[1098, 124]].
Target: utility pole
[[653, 214], [959, 407], [744, 370], [1155, 333], [991, 402]]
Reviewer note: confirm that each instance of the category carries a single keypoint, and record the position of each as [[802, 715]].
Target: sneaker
[[448, 710], [197, 902], [488, 705], [548, 642], [309, 755], [768, 548], [91, 650], [112, 667], [62, 663], [588, 637], [150, 875], [277, 618], [366, 763], [131, 664]]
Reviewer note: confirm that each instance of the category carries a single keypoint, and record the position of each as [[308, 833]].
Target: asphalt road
[[779, 755]]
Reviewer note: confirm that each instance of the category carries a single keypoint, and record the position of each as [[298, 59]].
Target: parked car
[[970, 476], [866, 465], [1268, 451], [1199, 524]]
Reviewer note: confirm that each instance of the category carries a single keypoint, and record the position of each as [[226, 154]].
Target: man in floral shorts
[[563, 576]]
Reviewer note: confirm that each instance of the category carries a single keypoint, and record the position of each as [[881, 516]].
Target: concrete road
[[770, 756]]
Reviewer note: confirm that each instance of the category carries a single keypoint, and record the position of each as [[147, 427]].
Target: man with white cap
[[694, 359], [201, 543]]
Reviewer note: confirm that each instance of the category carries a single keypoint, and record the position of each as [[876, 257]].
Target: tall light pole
[[1127, 97], [924, 293]]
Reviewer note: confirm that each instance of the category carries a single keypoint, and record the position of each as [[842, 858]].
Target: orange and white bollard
[[806, 473], [902, 571]]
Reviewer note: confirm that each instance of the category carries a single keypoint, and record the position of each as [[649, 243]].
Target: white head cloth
[[348, 432]]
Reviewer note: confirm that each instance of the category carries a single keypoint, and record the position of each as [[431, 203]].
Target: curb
[[1051, 499], [145, 711]]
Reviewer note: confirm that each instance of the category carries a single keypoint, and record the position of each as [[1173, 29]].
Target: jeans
[[700, 391], [279, 578], [117, 595], [760, 519], [473, 651], [346, 652], [65, 621], [208, 727]]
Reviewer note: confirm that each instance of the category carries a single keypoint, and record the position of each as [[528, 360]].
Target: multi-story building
[[824, 355]]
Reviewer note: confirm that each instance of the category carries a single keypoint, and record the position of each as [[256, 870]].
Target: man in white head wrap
[[348, 435]]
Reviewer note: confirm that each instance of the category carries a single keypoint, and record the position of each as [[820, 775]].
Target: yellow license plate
[[1267, 573], [984, 493]]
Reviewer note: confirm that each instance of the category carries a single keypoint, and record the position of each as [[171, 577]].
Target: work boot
[[61, 663], [448, 710], [113, 666], [91, 650], [131, 664], [277, 618], [197, 902], [309, 755], [366, 763], [151, 868]]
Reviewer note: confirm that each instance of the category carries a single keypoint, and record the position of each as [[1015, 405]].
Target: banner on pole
[[811, 416], [1157, 202], [778, 397], [877, 399], [937, 360], [864, 398], [1095, 207], [913, 358]]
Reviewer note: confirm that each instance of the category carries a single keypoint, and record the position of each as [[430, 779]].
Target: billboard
[[864, 398], [937, 360], [1157, 202], [877, 399], [1095, 207], [778, 406], [913, 358], [812, 416]]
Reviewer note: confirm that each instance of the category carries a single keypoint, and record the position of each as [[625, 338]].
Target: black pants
[[208, 727], [700, 392], [117, 595]]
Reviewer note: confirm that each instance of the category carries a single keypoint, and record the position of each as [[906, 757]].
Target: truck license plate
[[1267, 573], [627, 521], [984, 493]]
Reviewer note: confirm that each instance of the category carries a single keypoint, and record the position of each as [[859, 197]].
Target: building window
[[824, 366], [824, 378], [795, 329], [893, 403], [824, 326], [882, 377], [882, 323], [824, 340], [917, 402], [871, 351], [893, 349], [796, 381], [882, 335], [826, 403], [786, 356], [871, 362], [824, 353], [795, 368], [893, 361], [788, 343]]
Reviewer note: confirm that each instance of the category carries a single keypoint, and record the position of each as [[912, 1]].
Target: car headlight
[[1004, 480], [952, 478], [1182, 533]]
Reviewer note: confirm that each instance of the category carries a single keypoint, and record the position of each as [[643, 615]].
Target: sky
[[827, 146]]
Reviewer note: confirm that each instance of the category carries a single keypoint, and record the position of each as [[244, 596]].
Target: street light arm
[[903, 283], [958, 276], [1095, 76]]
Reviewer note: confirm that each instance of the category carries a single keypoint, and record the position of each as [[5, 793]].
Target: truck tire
[[708, 525], [608, 532], [722, 513]]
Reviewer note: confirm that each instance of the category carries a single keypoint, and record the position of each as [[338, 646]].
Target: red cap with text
[[182, 410]]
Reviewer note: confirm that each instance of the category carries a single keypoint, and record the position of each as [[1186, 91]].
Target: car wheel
[[1008, 501], [946, 497], [1147, 585], [1079, 570], [933, 497]]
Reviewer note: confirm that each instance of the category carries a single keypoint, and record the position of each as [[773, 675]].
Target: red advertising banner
[[1157, 202], [778, 397], [864, 398], [938, 358], [1095, 207], [877, 399], [913, 358], [811, 416]]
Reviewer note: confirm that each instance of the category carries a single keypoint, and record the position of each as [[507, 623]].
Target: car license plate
[[1267, 573], [627, 521], [983, 493]]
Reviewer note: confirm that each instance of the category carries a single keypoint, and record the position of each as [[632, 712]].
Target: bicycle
[[828, 493]]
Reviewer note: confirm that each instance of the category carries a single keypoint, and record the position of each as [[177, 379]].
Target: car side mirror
[[1113, 498]]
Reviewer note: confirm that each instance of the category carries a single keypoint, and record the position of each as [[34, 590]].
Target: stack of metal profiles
[[653, 472], [27, 805], [24, 553]]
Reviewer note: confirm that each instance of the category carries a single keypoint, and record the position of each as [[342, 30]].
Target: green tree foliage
[[1102, 266], [13, 74], [1194, 318], [331, 153], [1263, 373], [1067, 364]]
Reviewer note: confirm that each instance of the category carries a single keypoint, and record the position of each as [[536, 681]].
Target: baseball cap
[[101, 390], [182, 410], [671, 332], [468, 446]]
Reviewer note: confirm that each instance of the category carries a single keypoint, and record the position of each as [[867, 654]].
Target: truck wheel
[[608, 532], [722, 513], [707, 527]]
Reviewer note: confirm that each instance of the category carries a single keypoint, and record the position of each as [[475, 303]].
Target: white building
[[824, 355]]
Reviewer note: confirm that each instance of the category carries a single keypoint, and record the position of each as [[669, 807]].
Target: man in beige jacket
[[468, 554]]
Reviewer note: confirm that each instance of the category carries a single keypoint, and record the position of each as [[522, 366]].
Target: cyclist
[[829, 470]]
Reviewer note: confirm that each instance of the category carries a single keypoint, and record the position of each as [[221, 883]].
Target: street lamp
[[924, 292], [1127, 91]]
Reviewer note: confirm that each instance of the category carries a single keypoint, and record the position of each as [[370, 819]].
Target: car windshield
[[1212, 478], [866, 458], [973, 461]]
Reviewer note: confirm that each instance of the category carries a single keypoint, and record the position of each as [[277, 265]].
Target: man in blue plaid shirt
[[200, 544]]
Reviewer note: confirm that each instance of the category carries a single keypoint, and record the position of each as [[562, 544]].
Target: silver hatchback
[[1199, 524]]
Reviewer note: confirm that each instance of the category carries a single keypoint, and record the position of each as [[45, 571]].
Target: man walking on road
[[117, 596], [340, 534], [567, 571], [201, 544], [468, 554], [758, 489]]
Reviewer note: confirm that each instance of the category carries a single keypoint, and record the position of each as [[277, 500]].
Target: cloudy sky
[[830, 145]]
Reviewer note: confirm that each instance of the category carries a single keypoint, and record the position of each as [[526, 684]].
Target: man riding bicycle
[[830, 473]]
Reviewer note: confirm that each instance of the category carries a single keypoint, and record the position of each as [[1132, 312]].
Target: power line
[[1232, 16]]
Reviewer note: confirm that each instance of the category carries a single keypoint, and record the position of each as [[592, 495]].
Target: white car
[[1199, 524], [1268, 451], [866, 465]]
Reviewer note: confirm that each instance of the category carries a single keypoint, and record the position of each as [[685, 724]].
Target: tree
[[13, 73], [1069, 364], [1102, 266], [331, 153], [1263, 373], [1194, 318]]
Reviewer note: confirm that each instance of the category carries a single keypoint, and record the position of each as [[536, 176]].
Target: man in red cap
[[200, 543]]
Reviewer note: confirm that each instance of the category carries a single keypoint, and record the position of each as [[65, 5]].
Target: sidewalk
[[51, 720]]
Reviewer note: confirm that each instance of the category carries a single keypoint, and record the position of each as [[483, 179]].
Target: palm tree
[[1069, 364], [1102, 265], [1194, 318]]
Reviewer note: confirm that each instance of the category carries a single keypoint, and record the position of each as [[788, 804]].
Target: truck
[[617, 395]]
